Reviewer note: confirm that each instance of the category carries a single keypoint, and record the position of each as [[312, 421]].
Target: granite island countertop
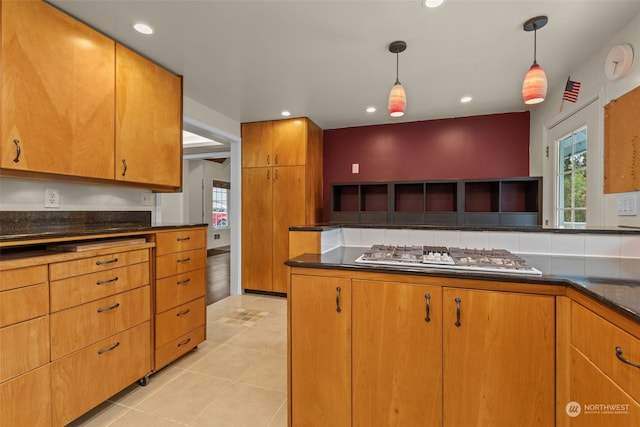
[[621, 293]]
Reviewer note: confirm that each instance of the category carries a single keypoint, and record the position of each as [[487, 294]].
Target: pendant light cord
[[535, 42], [397, 67]]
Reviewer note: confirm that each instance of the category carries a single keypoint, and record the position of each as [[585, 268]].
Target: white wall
[[594, 84]]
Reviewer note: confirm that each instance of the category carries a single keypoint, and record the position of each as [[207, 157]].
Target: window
[[220, 213], [572, 179]]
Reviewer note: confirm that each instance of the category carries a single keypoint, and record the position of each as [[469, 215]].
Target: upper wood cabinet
[[57, 93], [148, 122], [76, 104], [277, 143]]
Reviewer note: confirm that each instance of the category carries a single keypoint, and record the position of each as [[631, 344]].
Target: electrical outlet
[[146, 199], [51, 198]]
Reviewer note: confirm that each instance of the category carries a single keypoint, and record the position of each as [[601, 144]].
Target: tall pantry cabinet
[[281, 187]]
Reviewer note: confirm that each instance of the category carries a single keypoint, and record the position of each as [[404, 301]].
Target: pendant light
[[534, 87], [397, 97]]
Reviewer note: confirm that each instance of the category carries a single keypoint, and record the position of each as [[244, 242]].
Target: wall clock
[[619, 61]]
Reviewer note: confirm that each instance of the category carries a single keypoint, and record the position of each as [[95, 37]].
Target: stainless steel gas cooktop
[[476, 260]]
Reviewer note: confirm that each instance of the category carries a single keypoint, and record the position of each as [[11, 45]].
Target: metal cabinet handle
[[338, 309], [124, 163], [183, 312], [458, 300], [625, 360], [102, 282], [113, 307], [276, 160], [181, 239], [113, 347], [110, 261], [275, 175], [427, 318], [268, 159], [185, 342], [18, 150], [184, 259], [182, 282], [268, 174]]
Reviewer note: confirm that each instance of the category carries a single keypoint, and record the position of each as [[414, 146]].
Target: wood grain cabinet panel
[[88, 377], [62, 270], [19, 277], [179, 320], [179, 289], [175, 348], [77, 290], [585, 325], [58, 93], [85, 324], [148, 136], [179, 241], [26, 400], [24, 303], [180, 262], [24, 346]]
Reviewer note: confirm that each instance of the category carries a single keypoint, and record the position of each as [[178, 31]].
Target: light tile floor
[[237, 377]]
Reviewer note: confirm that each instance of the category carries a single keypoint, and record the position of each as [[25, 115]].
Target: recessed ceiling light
[[143, 28], [371, 109], [466, 99], [285, 113], [432, 3]]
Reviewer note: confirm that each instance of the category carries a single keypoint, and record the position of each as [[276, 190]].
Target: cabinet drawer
[[179, 289], [88, 377], [19, 277], [81, 326], [168, 265], [22, 304], [89, 287], [598, 339], [179, 346], [178, 241], [178, 321], [78, 267], [24, 346], [26, 400]]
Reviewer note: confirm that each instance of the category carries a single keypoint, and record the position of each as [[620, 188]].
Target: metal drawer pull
[[185, 342], [184, 259], [183, 312], [458, 300], [338, 309], [18, 150], [111, 261], [102, 282], [113, 347], [182, 282], [180, 239], [113, 307], [268, 159], [124, 164], [623, 359], [427, 297], [276, 159]]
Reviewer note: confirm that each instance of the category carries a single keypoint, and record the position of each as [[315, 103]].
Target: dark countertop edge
[[572, 282], [71, 233], [592, 230]]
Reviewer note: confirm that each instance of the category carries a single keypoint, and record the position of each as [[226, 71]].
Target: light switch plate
[[627, 204], [355, 168]]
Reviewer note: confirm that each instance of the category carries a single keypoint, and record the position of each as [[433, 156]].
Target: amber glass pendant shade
[[534, 87], [397, 100]]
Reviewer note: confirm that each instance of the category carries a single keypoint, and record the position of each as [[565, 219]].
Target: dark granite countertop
[[42, 225], [621, 294]]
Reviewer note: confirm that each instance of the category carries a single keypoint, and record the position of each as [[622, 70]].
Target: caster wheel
[[144, 381]]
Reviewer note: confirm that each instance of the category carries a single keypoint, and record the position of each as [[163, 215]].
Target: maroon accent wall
[[491, 146]]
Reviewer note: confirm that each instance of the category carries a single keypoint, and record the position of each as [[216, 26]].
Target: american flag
[[571, 91]]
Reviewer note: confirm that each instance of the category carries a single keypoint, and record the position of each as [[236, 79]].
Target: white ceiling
[[329, 60]]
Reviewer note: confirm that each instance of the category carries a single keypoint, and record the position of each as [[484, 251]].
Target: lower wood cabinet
[[26, 399], [377, 352], [320, 337]]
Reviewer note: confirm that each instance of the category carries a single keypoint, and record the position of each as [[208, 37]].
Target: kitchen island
[[420, 346]]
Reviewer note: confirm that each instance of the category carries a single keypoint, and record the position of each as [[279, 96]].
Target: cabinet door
[[290, 142], [26, 400], [257, 228], [57, 93], [288, 210], [397, 354], [498, 359], [257, 144], [148, 122], [320, 345], [590, 388]]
